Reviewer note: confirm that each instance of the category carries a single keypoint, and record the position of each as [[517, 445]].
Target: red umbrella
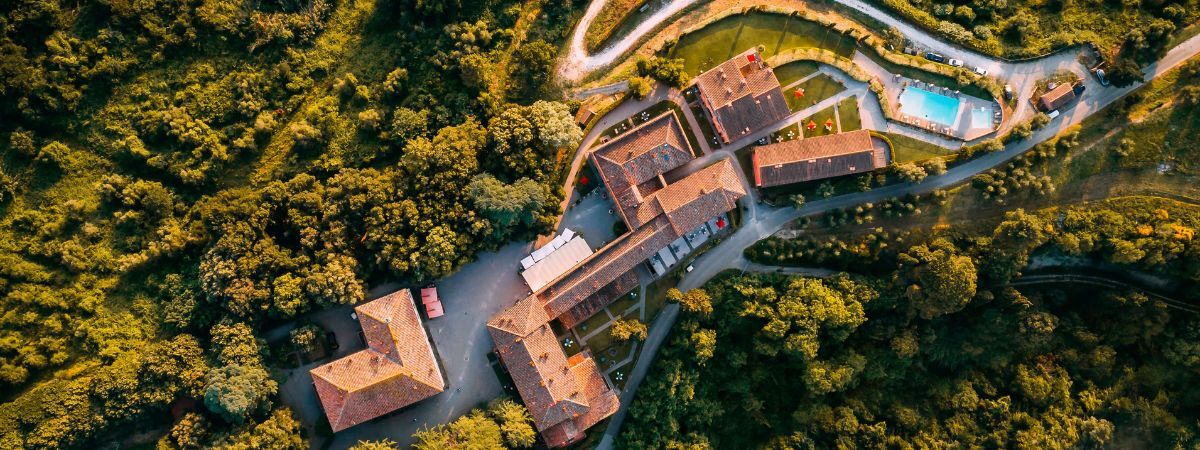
[[583, 180], [811, 125], [798, 93], [720, 223], [828, 122]]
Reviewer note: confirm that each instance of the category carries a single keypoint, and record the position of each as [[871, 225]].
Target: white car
[[981, 71], [955, 62]]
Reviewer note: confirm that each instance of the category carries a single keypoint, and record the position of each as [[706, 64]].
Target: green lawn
[[906, 149], [849, 114], [719, 41], [793, 128], [795, 70], [623, 303], [815, 89], [820, 118], [592, 323], [706, 127]]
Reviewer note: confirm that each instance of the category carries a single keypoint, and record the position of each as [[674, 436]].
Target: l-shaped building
[[741, 96], [565, 396]]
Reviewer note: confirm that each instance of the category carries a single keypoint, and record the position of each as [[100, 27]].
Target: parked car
[[1008, 92], [981, 71], [935, 57], [690, 268], [331, 339], [955, 62], [1100, 77]]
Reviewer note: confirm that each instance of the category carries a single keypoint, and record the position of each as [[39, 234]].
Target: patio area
[[954, 114]]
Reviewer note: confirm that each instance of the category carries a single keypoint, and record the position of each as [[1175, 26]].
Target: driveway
[[471, 296]]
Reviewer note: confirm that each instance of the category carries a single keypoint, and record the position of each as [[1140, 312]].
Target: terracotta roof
[[593, 303], [817, 158], [631, 163], [1057, 97], [398, 367], [564, 395], [742, 95], [700, 196]]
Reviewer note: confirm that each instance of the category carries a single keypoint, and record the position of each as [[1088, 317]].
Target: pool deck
[[961, 130]]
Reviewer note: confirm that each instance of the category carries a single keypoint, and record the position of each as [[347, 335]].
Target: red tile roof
[[1057, 97], [564, 395], [817, 158], [742, 95], [398, 367], [631, 163]]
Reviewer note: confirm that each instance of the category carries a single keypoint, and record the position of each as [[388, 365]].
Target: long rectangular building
[[817, 158], [741, 96]]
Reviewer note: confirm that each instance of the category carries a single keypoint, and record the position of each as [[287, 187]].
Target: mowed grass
[[791, 72], [614, 14], [820, 118], [849, 115], [815, 89], [717, 42], [906, 149]]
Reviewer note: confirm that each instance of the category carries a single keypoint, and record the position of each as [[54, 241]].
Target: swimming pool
[[981, 118], [922, 104]]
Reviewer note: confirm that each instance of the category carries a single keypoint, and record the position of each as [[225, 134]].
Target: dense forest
[[927, 343], [177, 174]]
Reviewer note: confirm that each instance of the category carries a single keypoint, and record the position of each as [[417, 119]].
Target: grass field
[[849, 114], [906, 149], [820, 119], [719, 41], [815, 89], [794, 129], [795, 70], [612, 16]]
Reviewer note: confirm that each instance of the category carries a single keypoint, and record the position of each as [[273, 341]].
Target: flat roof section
[[556, 262]]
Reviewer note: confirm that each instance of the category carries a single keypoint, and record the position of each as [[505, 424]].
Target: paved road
[[579, 63]]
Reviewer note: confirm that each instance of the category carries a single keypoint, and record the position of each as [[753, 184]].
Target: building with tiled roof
[[631, 165], [1057, 97], [398, 367], [817, 158], [564, 395], [741, 96]]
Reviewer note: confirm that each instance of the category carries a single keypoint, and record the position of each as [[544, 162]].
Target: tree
[[515, 423], [797, 200], [623, 330], [1124, 72], [235, 392], [936, 278], [640, 87], [307, 338], [506, 205], [533, 63], [934, 166], [407, 124], [383, 444], [697, 302], [669, 71], [910, 172], [279, 431]]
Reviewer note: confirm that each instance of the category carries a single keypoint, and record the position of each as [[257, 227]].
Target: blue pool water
[[981, 118], [922, 104]]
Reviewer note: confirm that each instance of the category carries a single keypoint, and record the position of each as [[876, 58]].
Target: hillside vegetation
[[926, 344], [176, 174]]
